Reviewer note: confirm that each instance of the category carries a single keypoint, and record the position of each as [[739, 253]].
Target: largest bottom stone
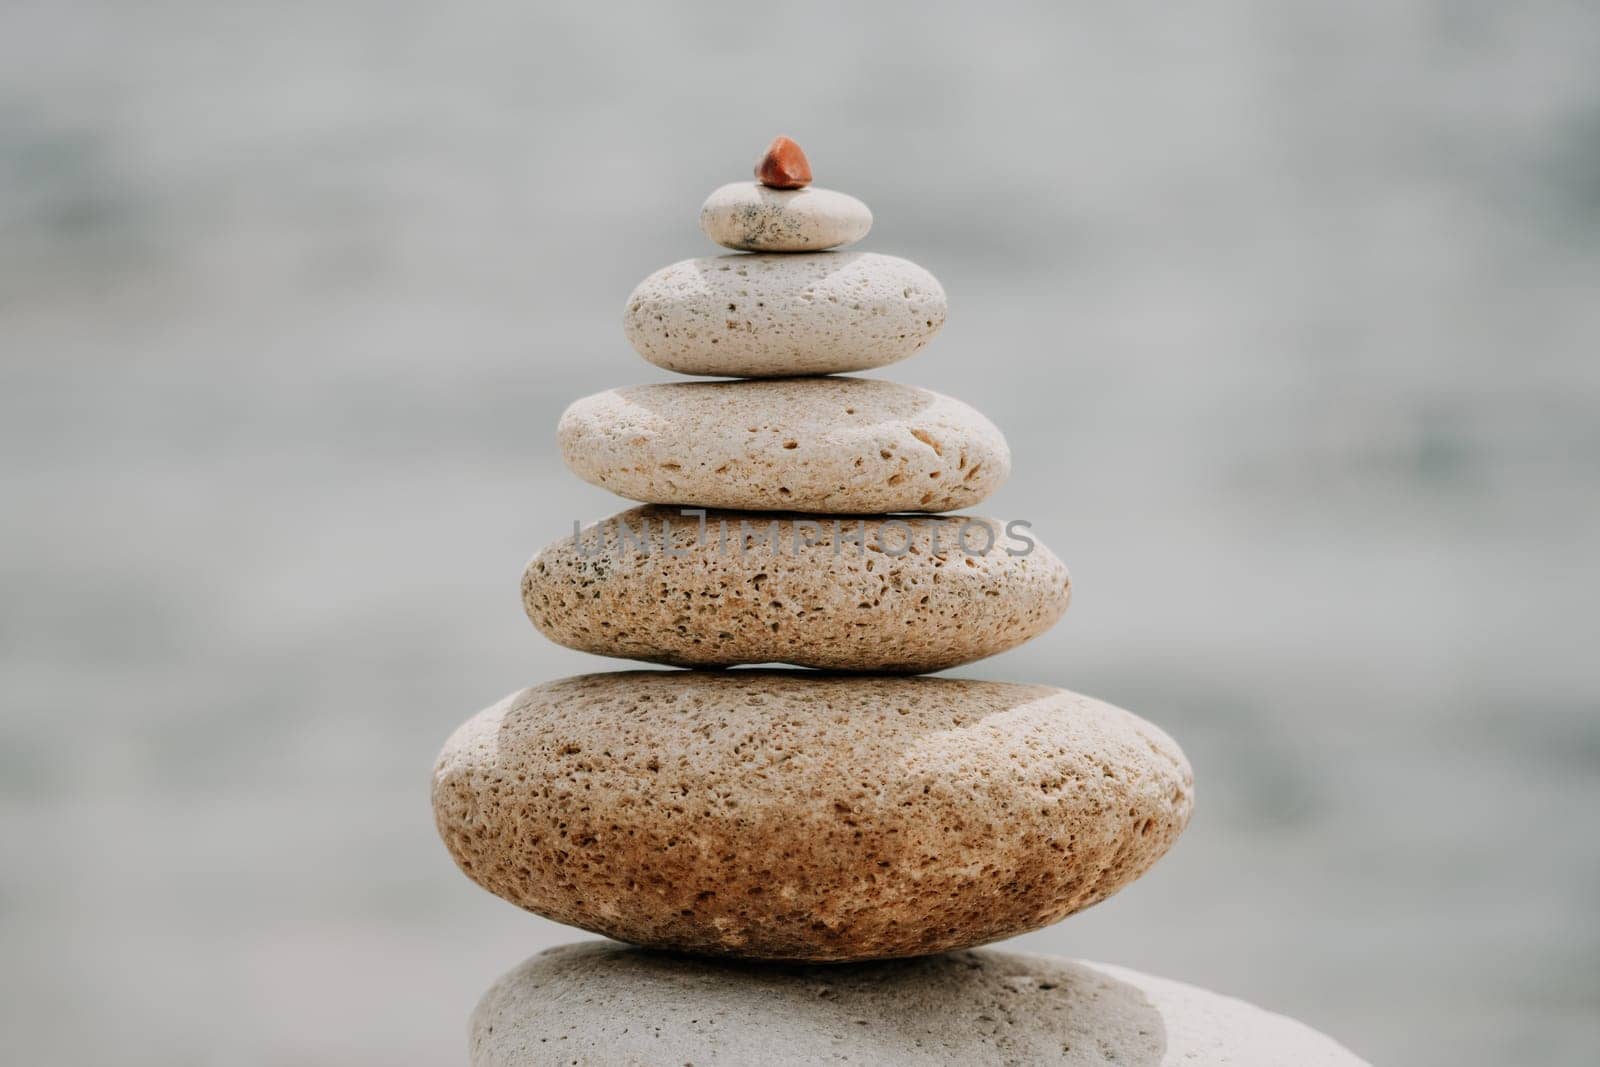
[[598, 1002], [796, 815]]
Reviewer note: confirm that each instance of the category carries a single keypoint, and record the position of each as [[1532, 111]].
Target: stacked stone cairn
[[857, 829]]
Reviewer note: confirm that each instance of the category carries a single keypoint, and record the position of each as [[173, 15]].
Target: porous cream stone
[[780, 316], [732, 587], [831, 445], [752, 217], [600, 1002], [791, 815]]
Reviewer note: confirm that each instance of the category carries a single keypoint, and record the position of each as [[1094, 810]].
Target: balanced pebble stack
[[800, 817]]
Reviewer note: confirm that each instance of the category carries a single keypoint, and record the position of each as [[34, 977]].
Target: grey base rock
[[598, 1002]]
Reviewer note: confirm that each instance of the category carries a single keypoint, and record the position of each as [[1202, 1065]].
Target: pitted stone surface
[[781, 316], [752, 217], [792, 815], [828, 445], [600, 1002], [863, 594]]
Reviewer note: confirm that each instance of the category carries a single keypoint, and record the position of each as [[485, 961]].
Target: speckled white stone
[[600, 1002], [753, 218], [775, 316], [828, 445]]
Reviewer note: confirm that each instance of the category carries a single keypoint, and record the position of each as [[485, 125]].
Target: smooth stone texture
[[751, 217], [830, 445], [599, 1002], [777, 588], [783, 165], [781, 316], [794, 815]]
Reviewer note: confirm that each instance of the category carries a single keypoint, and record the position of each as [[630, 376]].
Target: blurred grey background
[[1290, 312]]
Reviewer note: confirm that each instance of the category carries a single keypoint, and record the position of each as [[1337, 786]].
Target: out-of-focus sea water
[[1290, 312]]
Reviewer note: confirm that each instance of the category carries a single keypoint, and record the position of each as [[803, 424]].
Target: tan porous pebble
[[830, 445], [782, 316], [791, 815], [862, 594]]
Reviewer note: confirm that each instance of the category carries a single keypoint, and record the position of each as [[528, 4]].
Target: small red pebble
[[783, 166]]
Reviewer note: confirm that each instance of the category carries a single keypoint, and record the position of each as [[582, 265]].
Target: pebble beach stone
[[867, 594], [752, 217], [791, 815], [830, 445], [783, 165], [780, 316], [600, 1002]]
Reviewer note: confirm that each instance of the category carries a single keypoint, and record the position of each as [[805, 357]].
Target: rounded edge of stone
[[493, 818], [788, 314], [581, 592], [588, 995], [747, 216], [595, 452]]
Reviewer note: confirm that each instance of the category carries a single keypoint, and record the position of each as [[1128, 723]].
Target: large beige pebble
[[864, 594], [778, 316], [599, 1002], [792, 815], [751, 217], [830, 445]]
